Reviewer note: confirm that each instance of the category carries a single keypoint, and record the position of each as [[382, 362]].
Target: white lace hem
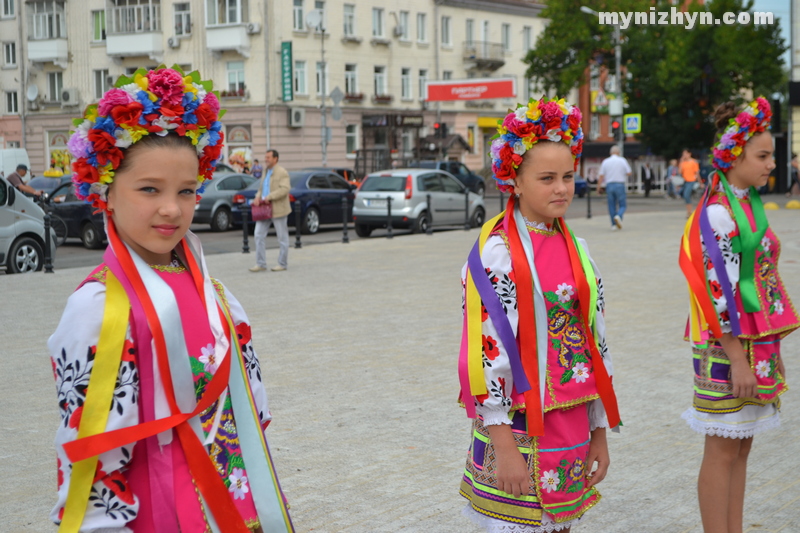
[[748, 422], [493, 525]]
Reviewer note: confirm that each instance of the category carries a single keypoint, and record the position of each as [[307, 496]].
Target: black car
[[79, 217], [471, 181], [47, 184], [319, 192]]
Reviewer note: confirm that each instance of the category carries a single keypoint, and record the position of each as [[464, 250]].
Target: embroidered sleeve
[[242, 324], [724, 230], [72, 351], [494, 406]]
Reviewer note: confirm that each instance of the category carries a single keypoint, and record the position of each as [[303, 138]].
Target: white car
[[22, 232], [408, 189]]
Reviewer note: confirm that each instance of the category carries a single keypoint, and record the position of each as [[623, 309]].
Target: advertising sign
[[470, 89], [287, 81]]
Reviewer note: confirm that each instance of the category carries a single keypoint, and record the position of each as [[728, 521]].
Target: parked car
[[471, 180], [580, 187], [409, 189], [216, 202], [80, 218], [223, 167], [348, 174], [319, 192], [48, 185], [21, 232]]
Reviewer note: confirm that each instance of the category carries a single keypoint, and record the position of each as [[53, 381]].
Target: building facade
[[272, 62]]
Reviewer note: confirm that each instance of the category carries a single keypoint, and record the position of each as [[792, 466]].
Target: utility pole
[[618, 61]]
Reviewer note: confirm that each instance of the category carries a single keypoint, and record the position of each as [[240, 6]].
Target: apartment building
[[272, 62]]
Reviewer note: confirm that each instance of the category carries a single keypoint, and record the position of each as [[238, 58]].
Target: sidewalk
[[358, 345]]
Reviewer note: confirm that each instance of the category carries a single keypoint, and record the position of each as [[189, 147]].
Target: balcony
[[47, 34], [230, 37], [354, 98], [483, 55], [49, 51], [135, 31], [383, 99]]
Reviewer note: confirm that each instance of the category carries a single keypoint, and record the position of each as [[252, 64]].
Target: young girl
[[162, 405], [739, 312], [534, 368]]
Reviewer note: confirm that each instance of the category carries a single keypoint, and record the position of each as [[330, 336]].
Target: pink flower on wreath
[[167, 85], [112, 99], [213, 102]]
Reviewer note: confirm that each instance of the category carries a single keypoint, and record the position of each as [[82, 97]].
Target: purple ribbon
[[495, 309]]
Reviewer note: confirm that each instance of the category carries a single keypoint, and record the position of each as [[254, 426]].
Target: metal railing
[[134, 19], [483, 50]]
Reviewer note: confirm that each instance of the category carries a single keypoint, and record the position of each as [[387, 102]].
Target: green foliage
[[676, 76]]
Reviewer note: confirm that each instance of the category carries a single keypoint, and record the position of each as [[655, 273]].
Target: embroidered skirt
[[556, 465]]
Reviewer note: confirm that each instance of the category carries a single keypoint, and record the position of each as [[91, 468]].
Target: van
[[22, 241], [11, 158]]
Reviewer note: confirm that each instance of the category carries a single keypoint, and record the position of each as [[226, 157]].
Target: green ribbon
[[747, 242]]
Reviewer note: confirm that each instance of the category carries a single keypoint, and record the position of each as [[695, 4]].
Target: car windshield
[[384, 183], [45, 183]]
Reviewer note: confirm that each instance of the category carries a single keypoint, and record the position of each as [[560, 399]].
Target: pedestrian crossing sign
[[632, 123]]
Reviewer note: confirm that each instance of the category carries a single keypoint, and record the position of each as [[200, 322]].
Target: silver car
[[22, 232], [216, 201], [408, 189]]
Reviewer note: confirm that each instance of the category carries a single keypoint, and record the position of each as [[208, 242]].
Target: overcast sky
[[781, 10]]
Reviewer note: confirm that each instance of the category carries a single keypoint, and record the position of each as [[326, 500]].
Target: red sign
[[474, 89]]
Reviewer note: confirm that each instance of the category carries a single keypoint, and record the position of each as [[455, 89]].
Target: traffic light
[[615, 127], [440, 130]]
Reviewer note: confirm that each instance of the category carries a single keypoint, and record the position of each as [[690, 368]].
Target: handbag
[[261, 211], [677, 180]]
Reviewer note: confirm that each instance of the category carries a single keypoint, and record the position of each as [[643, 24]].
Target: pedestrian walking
[[690, 172], [273, 190], [257, 169], [647, 179], [614, 172], [794, 185], [740, 311], [163, 409], [674, 179], [541, 395]]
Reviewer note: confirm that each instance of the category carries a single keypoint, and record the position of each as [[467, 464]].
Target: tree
[[675, 76]]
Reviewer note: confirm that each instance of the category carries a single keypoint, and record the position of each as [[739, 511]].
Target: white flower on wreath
[[209, 359], [565, 292], [580, 373], [550, 480], [763, 369], [553, 135], [238, 484], [765, 243], [779, 307]]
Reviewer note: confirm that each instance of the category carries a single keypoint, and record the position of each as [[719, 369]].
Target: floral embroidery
[[580, 372], [490, 350], [209, 360], [505, 288], [763, 369], [566, 332], [766, 243], [550, 480], [779, 307], [238, 484], [565, 478], [564, 292]]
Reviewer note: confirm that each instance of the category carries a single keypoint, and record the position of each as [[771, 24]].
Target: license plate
[[376, 202]]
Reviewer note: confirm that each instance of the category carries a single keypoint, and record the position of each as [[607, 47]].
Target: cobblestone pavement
[[359, 343]]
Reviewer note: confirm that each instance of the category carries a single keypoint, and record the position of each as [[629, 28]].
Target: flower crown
[[158, 101], [538, 120], [754, 119]]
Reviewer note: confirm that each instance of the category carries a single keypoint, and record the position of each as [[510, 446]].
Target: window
[[9, 54], [403, 25], [527, 43], [319, 5], [447, 75], [594, 77], [297, 16], [407, 142], [470, 32], [322, 78], [14, 144], [100, 82], [183, 19], [226, 11], [594, 127], [405, 84], [134, 16], [423, 82], [12, 104], [46, 20], [300, 77], [351, 138], [349, 20], [8, 8], [351, 78], [54, 86], [380, 81], [505, 36], [422, 30], [236, 76], [446, 32], [98, 26], [377, 22]]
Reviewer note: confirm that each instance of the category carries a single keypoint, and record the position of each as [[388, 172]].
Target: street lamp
[[315, 21], [618, 59]]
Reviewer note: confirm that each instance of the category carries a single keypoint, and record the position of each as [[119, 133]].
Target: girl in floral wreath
[[163, 410], [534, 368], [740, 311]]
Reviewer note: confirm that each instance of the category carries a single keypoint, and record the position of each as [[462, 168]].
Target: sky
[[781, 9]]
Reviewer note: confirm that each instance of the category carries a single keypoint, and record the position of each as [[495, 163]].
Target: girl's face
[[152, 200], [753, 166], [545, 182]]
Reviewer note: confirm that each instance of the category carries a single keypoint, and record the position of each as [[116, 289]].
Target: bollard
[[429, 229], [345, 238], [48, 261], [389, 218], [466, 209], [297, 218], [502, 203], [588, 200], [245, 227]]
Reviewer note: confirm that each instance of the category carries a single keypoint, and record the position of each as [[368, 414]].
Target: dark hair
[[723, 114], [170, 140], [22, 167], [274, 153], [255, 160]]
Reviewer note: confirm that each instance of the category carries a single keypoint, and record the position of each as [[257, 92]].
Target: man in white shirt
[[614, 172]]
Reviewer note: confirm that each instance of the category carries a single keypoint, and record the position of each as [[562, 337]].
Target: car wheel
[[362, 230], [310, 222], [478, 217], [60, 229], [90, 236], [421, 224], [26, 256], [480, 190], [221, 219]]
